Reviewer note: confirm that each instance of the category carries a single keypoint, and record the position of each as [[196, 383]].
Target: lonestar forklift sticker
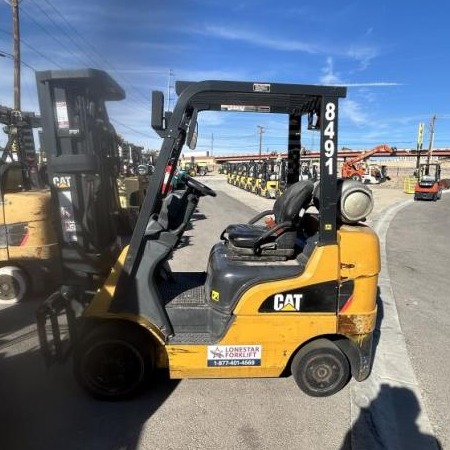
[[234, 355]]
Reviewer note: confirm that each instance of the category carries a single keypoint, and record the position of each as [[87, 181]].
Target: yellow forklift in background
[[297, 295], [273, 179], [242, 175], [29, 256], [133, 175], [194, 169], [232, 173]]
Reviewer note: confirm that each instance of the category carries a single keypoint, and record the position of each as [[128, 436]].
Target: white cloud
[[353, 111], [364, 55], [261, 40], [329, 77]]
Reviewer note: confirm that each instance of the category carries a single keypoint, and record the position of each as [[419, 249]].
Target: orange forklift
[[295, 296], [428, 186]]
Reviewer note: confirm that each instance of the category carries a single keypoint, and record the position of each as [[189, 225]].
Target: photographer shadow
[[389, 422]]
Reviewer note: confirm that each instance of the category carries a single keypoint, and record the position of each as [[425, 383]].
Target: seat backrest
[[171, 214], [297, 196]]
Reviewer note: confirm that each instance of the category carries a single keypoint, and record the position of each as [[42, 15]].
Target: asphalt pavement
[[418, 243], [399, 407]]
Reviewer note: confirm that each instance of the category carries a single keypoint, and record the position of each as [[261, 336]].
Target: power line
[[139, 103], [90, 58], [61, 29], [23, 41], [130, 128], [93, 49], [46, 31], [9, 55]]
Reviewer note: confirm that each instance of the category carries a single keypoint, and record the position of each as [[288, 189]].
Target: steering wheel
[[199, 187]]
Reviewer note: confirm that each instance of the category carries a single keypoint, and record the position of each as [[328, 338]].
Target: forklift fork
[[53, 347]]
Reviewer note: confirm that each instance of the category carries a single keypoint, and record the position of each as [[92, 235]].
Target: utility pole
[[430, 145], [261, 131], [16, 37]]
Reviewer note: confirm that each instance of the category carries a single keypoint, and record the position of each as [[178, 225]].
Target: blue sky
[[392, 55]]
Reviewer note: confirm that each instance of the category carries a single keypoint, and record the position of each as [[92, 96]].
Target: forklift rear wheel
[[13, 285], [320, 368], [114, 362]]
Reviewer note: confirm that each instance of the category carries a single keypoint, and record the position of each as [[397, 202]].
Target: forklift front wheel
[[114, 362], [13, 285], [320, 368]]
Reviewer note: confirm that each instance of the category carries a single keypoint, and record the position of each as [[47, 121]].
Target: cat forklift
[[297, 296], [232, 173], [273, 179], [28, 243]]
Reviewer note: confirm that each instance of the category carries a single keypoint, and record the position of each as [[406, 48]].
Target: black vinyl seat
[[276, 239]]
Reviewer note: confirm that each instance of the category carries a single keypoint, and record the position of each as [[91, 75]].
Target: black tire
[[114, 362], [320, 369]]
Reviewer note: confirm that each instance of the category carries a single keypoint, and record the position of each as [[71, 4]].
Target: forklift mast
[[293, 100], [83, 165], [18, 125]]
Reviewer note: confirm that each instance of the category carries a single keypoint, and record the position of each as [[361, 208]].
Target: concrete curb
[[378, 421]]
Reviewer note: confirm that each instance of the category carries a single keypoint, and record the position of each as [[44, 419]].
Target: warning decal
[[234, 355], [62, 115]]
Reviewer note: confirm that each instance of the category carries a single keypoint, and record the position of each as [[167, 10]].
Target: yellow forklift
[[194, 169], [252, 179], [232, 173], [273, 179], [241, 180], [297, 295], [28, 244], [133, 174]]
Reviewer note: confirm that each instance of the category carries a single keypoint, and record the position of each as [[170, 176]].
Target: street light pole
[[261, 131]]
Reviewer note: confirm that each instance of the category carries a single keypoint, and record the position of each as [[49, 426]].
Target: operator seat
[[277, 238], [173, 218]]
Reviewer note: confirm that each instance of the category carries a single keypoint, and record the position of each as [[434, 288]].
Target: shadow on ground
[[391, 421], [44, 408]]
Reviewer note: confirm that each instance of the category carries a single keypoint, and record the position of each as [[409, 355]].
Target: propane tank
[[355, 201]]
